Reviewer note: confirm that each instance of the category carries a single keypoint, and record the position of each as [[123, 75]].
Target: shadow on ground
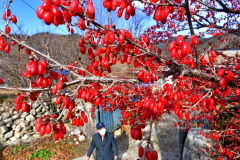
[[123, 144], [167, 139]]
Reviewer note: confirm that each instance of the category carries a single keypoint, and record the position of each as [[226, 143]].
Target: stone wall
[[195, 145], [18, 126]]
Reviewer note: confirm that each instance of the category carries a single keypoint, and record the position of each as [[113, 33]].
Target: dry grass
[[65, 149]]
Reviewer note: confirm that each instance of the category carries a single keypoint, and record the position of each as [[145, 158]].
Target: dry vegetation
[[46, 148]]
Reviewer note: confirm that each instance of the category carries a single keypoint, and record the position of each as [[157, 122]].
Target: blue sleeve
[[91, 148], [114, 147]]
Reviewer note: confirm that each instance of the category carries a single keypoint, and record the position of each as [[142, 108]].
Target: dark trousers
[[182, 138]]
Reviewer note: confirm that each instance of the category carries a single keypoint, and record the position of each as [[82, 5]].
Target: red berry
[[42, 130], [7, 29]]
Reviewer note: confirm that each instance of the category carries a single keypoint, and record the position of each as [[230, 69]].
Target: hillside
[[65, 49]]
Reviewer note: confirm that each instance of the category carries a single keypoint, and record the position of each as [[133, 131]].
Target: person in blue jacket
[[105, 144]]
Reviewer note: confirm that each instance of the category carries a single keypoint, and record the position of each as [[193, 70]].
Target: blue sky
[[25, 11]]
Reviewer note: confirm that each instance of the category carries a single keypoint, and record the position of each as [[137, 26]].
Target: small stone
[[16, 112], [30, 118], [43, 109], [5, 115], [3, 129], [76, 131], [33, 112], [13, 141], [7, 120], [32, 123], [82, 138], [27, 128], [25, 137], [11, 111], [18, 128], [14, 126], [8, 134], [23, 124], [16, 122], [39, 109], [24, 114], [35, 105], [18, 134], [2, 108], [16, 116], [9, 124]]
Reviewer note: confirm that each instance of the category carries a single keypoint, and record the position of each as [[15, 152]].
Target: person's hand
[[87, 158], [115, 157]]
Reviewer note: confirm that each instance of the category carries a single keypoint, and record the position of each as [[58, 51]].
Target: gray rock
[[194, 144], [0, 118], [24, 114], [8, 134], [2, 108], [5, 115], [16, 112], [30, 118], [9, 120], [11, 110], [3, 129], [18, 134], [18, 128], [23, 124], [44, 109], [39, 109], [26, 137], [32, 124], [16, 116], [35, 105], [16, 122], [33, 112], [9, 124], [27, 128], [13, 141], [14, 126], [76, 131], [81, 138]]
